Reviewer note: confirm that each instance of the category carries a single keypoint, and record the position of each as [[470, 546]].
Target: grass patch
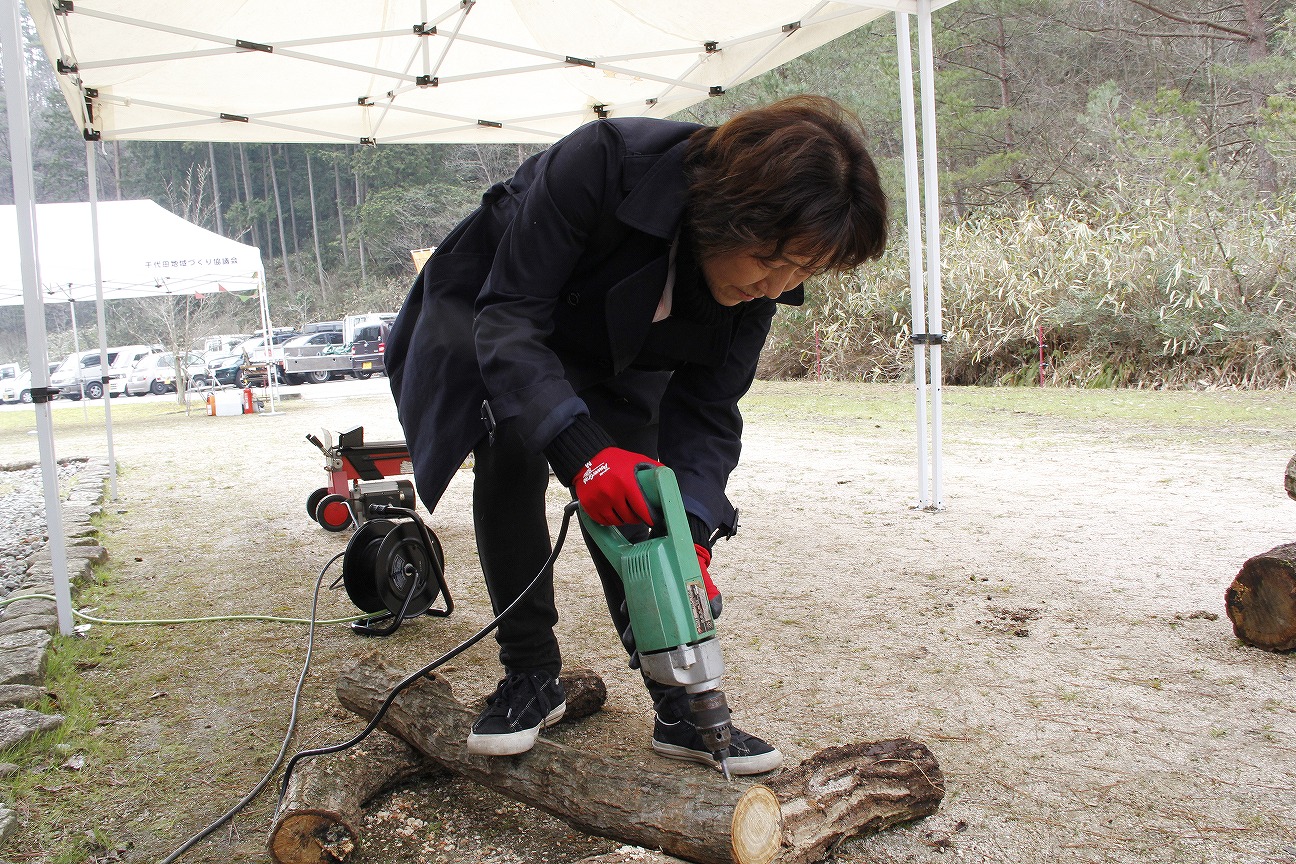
[[1185, 410]]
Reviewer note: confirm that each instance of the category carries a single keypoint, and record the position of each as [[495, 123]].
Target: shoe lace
[[507, 694]]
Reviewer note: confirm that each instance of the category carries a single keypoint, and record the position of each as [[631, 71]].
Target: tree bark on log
[[796, 816], [1261, 602], [319, 819], [1289, 478]]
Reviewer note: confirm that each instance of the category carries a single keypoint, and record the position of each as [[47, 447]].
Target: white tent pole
[[76, 351], [92, 181], [931, 191], [24, 184], [913, 213], [267, 344]]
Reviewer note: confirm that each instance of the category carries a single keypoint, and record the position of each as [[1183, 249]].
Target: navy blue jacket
[[550, 286]]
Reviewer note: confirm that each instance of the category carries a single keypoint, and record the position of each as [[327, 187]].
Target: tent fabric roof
[[144, 250], [409, 71]]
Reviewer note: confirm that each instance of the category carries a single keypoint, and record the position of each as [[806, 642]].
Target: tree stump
[[319, 819], [1261, 602], [681, 810]]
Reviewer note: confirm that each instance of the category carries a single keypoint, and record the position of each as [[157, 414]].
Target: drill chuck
[[710, 712]]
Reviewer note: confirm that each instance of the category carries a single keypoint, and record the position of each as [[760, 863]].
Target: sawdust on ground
[[1055, 634]]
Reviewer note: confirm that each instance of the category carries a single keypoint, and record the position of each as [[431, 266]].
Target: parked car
[[22, 385], [127, 358], [156, 374], [367, 349], [228, 370], [9, 375], [79, 373], [311, 357]]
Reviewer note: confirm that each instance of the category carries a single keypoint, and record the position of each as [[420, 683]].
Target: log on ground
[[318, 821], [680, 810], [1261, 602]]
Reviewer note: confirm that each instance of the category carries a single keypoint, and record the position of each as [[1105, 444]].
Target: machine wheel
[[94, 390], [313, 500], [158, 387], [332, 513], [319, 376], [25, 397]]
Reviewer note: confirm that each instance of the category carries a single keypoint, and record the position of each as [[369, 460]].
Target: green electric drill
[[670, 613]]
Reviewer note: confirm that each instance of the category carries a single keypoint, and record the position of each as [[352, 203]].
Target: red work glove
[[606, 487], [713, 593]]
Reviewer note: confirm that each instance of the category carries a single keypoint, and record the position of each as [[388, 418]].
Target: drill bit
[[724, 766]]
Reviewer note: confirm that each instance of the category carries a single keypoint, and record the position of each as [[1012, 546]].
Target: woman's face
[[743, 275]]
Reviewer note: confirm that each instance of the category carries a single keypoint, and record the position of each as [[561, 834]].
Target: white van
[[220, 345], [79, 373]]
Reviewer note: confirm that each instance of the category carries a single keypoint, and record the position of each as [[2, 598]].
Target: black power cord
[[382, 710]]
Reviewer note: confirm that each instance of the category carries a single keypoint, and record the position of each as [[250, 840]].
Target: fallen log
[[318, 821], [1261, 602], [1289, 478], [796, 815]]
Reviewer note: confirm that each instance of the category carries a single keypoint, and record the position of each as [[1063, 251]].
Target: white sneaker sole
[[513, 743], [738, 765]]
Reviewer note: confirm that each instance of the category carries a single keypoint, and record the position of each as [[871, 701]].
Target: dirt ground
[[1055, 635]]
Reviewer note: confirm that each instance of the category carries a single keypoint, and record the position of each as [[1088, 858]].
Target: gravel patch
[[23, 532]]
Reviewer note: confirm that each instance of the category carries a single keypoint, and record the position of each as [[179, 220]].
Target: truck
[[352, 347]]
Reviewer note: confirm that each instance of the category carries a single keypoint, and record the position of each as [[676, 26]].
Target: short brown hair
[[794, 176]]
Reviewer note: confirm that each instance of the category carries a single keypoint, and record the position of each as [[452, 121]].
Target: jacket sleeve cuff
[[701, 533], [571, 448]]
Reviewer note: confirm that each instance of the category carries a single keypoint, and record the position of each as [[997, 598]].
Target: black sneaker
[[523, 703], [747, 753]]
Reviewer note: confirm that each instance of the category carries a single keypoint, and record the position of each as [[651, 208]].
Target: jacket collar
[[656, 204]]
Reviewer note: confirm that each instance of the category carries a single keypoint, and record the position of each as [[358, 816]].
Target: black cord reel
[[395, 569]]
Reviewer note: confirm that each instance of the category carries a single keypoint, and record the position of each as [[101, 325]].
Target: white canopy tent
[[145, 250], [407, 71]]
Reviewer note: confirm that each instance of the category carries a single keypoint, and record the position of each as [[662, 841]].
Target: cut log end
[[1261, 601], [312, 837], [756, 831]]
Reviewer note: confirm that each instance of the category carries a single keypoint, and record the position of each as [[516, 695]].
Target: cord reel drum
[[394, 569]]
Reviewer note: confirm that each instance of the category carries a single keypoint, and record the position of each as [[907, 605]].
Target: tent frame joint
[[91, 135], [716, 90], [41, 395], [424, 30], [927, 339], [63, 7], [248, 45]]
